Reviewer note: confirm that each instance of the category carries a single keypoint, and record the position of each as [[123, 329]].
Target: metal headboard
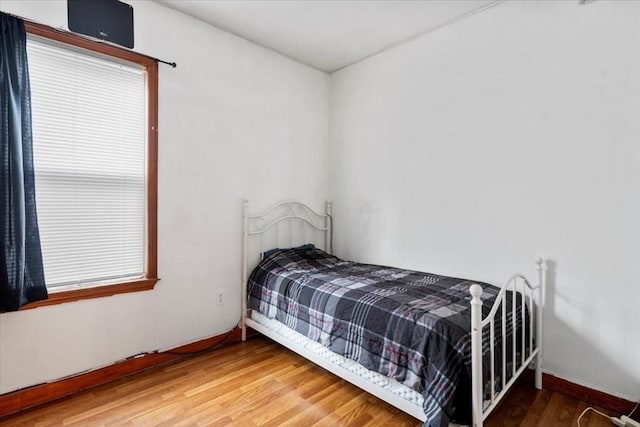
[[287, 224]]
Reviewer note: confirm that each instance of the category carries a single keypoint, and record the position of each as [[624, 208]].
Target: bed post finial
[[476, 353], [539, 261], [476, 291], [541, 267]]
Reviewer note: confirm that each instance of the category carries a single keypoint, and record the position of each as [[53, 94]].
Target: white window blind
[[89, 139]]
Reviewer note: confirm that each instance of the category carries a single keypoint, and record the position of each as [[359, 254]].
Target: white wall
[[235, 120], [511, 134]]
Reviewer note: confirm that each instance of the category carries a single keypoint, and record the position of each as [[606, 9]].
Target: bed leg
[[244, 329], [476, 354], [541, 267], [245, 266], [539, 371]]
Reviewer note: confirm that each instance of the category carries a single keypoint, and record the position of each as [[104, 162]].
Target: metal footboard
[[517, 284]]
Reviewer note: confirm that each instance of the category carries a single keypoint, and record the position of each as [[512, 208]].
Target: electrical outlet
[[220, 298]]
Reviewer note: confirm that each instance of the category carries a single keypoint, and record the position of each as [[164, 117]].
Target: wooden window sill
[[136, 285]]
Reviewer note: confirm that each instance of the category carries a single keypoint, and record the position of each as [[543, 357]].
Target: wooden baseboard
[[42, 393], [598, 398], [593, 397]]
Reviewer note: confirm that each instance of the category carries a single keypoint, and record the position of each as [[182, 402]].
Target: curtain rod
[[91, 39], [172, 64]]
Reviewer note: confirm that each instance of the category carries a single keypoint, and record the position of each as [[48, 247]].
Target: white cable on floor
[[594, 410]]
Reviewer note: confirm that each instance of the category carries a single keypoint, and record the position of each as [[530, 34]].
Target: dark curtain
[[21, 272]]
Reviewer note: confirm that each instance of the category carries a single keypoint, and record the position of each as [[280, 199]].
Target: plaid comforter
[[410, 326]]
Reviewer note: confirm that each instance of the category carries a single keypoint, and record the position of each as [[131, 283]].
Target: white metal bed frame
[[298, 218]]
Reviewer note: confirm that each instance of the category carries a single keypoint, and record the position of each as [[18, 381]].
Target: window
[[94, 109]]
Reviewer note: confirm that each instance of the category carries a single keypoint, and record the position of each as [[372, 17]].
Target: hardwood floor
[[259, 383]]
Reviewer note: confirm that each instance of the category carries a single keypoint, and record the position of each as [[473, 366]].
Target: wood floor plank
[[260, 383], [559, 411], [510, 412], [537, 409]]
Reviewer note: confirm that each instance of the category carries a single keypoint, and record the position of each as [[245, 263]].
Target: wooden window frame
[[150, 278]]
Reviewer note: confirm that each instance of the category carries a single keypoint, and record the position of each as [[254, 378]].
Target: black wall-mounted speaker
[[109, 20]]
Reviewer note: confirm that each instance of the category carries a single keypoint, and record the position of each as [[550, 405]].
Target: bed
[[443, 349]]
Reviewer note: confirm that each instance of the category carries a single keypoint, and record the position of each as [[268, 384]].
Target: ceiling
[[329, 34]]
